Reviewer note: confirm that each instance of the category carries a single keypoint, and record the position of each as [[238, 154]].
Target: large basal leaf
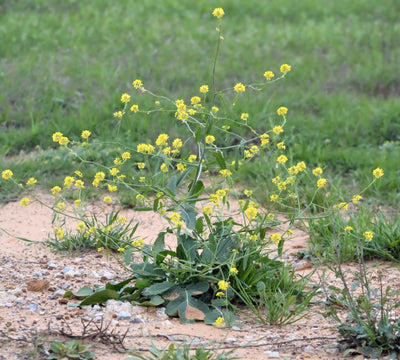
[[119, 286], [82, 292], [147, 269], [185, 305], [189, 214], [159, 288], [100, 297]]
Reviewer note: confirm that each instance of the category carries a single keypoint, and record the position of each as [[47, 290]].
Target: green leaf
[[147, 269], [171, 186], [159, 244], [100, 297], [83, 292], [189, 214], [199, 226], [120, 285], [158, 288], [183, 303], [187, 248], [196, 188], [155, 300], [142, 283], [220, 159]]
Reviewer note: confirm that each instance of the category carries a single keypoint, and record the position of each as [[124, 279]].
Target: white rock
[[272, 354]]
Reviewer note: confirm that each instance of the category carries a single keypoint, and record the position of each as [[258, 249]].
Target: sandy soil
[[33, 280]]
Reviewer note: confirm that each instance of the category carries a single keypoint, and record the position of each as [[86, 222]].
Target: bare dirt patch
[[34, 279]]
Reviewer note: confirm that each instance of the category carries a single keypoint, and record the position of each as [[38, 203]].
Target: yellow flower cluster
[[7, 174], [162, 140], [276, 238], [251, 212], [269, 75], [145, 148], [181, 112], [85, 134], [239, 88], [137, 84], [378, 173], [98, 178], [60, 138], [368, 235], [282, 111], [218, 13], [125, 98]]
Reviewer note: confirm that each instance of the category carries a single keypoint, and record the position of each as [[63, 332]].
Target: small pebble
[[32, 307], [123, 315]]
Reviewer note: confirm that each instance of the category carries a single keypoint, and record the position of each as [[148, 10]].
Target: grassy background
[[64, 65]]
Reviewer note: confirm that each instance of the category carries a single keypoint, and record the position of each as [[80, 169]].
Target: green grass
[[64, 65]]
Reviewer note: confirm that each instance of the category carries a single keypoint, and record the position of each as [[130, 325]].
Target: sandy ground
[[33, 280]]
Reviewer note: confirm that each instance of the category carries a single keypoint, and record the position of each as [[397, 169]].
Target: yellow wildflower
[[137, 84], [204, 89], [57, 136], [356, 199], [195, 100], [282, 110], [59, 233], [282, 159], [55, 190], [244, 116], [7, 174], [141, 165], [192, 158], [181, 167], [107, 200], [264, 138], [77, 202], [277, 129], [225, 172], [276, 238], [164, 168], [24, 201], [64, 141], [68, 181], [251, 212], [162, 140], [321, 182], [208, 210], [233, 270], [126, 155], [177, 143], [135, 108], [269, 75], [368, 235], [112, 188], [210, 139], [285, 68], [218, 13], [118, 114], [114, 171], [81, 226], [317, 171], [223, 285], [348, 228], [31, 181], [378, 173], [220, 323], [60, 206], [125, 98], [239, 87], [85, 134]]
